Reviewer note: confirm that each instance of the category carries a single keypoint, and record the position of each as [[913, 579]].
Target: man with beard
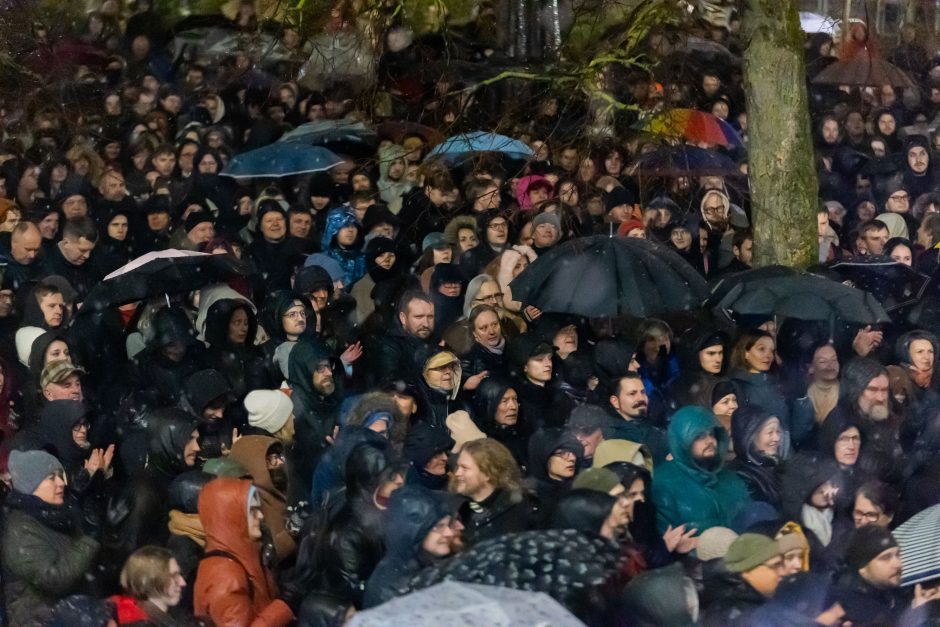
[[718, 221], [869, 590], [629, 417], [402, 352], [489, 478], [263, 458], [863, 398], [693, 488]]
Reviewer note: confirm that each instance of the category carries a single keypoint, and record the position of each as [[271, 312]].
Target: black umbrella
[[565, 564], [162, 272], [894, 284], [801, 296], [603, 276]]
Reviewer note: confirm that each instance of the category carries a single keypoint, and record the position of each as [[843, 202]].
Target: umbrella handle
[[167, 297]]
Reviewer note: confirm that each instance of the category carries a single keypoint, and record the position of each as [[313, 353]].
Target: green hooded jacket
[[686, 493]]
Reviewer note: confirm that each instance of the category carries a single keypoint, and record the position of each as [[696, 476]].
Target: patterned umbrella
[[692, 125], [919, 539]]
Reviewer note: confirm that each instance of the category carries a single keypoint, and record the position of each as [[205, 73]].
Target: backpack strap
[[229, 556]]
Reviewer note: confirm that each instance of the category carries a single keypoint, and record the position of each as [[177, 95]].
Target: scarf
[[819, 522], [921, 378], [61, 518], [824, 398], [187, 525], [496, 350]]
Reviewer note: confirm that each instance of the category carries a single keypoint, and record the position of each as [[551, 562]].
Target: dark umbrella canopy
[[397, 130], [164, 272], [894, 284], [280, 159], [863, 70], [565, 564], [684, 160], [803, 297], [341, 136], [604, 276]]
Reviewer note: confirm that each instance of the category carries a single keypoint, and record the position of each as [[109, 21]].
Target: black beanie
[[866, 543], [196, 218], [722, 389], [312, 279]]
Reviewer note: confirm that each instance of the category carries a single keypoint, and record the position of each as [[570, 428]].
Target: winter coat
[[639, 431], [315, 415], [800, 475], [686, 493], [758, 471], [479, 359], [44, 557], [735, 602], [760, 389], [233, 588], [352, 260], [542, 445], [412, 513], [514, 437], [419, 216], [251, 452], [504, 511], [397, 354], [425, 442], [82, 278], [162, 381], [241, 364], [276, 260], [132, 612]]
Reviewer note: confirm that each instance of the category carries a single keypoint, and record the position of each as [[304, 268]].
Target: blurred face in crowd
[[568, 159], [561, 465], [53, 309], [507, 412], [865, 512], [899, 202], [469, 480], [921, 354], [418, 318], [711, 358], [322, 378], [725, 406], [208, 164], [884, 571], [681, 238], [825, 364], [760, 357], [886, 124], [497, 232], [705, 448], [918, 159], [768, 439], [255, 516], [873, 401], [631, 400], [848, 446], [191, 448], [158, 221], [539, 368], [300, 224], [117, 228], [69, 389], [273, 226], [545, 235], [52, 489], [49, 226], [164, 163], [902, 254], [346, 236], [824, 496], [76, 251], [238, 326], [467, 239], [442, 377], [76, 206], [439, 539], [487, 330], [201, 233], [766, 577], [25, 246], [294, 320], [830, 131]]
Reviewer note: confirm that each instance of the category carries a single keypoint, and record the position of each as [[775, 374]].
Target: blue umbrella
[[280, 159], [460, 147], [323, 132], [684, 160]]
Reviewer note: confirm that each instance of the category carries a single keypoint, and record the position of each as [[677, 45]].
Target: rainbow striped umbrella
[[692, 125]]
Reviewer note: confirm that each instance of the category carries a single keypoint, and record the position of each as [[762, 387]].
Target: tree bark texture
[[781, 166]]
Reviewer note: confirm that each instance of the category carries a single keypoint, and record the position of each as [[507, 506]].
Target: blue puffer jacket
[[412, 513], [352, 259], [686, 493]]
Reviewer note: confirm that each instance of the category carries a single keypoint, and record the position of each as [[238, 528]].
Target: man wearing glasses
[[494, 231]]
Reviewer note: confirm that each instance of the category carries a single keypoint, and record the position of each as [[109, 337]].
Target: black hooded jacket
[[240, 363], [412, 513], [424, 442], [759, 471], [541, 446], [161, 379], [514, 437]]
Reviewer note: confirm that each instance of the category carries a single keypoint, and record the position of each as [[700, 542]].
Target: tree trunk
[[780, 150]]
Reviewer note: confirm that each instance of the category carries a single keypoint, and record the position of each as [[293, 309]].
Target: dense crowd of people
[[365, 409]]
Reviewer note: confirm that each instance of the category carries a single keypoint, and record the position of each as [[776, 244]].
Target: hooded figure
[[350, 257], [514, 431], [698, 356], [172, 355], [393, 189], [316, 407], [447, 309], [800, 477], [233, 587], [375, 274], [187, 535], [424, 443], [697, 494], [543, 445], [412, 513], [920, 176], [756, 467], [112, 253], [253, 453], [275, 258], [232, 351]]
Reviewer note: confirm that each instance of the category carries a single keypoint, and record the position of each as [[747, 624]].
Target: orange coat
[[234, 590]]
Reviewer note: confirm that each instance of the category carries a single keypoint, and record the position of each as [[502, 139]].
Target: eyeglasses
[[492, 298], [866, 516], [498, 226], [899, 197], [274, 458], [296, 315], [323, 367]]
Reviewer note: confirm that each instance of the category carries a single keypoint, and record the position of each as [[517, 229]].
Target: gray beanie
[[30, 468], [548, 218], [268, 409]]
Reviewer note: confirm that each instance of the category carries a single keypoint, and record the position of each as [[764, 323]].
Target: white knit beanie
[[25, 336], [268, 409]]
